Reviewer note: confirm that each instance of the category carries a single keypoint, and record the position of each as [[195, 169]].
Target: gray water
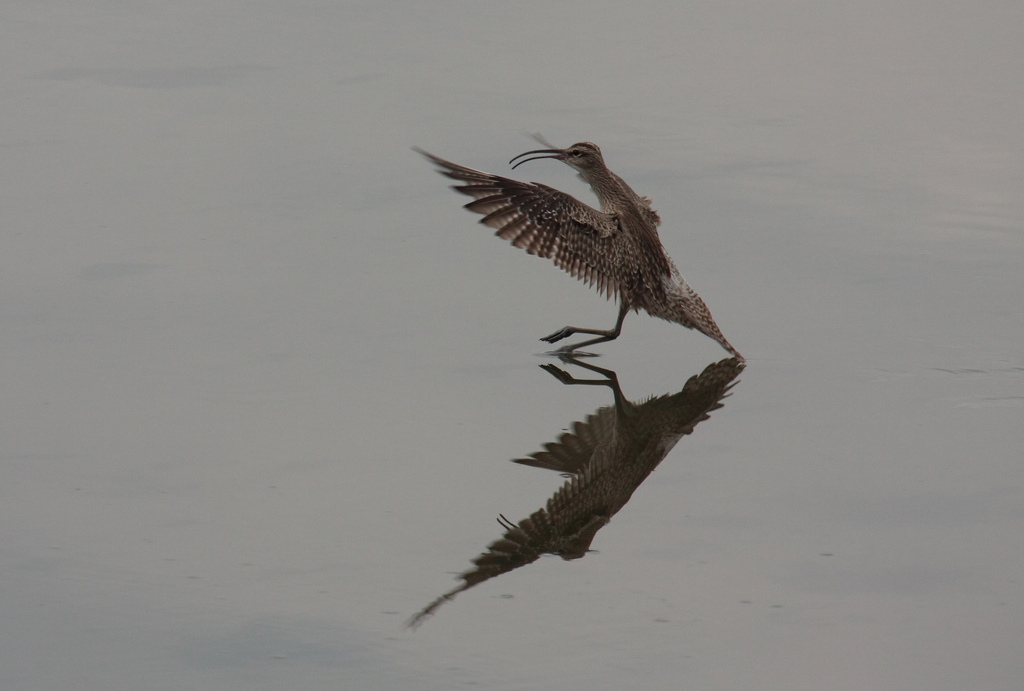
[[263, 377]]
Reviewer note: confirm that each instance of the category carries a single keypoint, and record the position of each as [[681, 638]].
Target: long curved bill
[[548, 153]]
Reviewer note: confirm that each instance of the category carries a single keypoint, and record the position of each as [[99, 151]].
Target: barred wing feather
[[546, 222]]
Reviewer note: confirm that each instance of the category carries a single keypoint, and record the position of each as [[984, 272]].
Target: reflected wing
[[522, 544], [545, 222], [572, 453]]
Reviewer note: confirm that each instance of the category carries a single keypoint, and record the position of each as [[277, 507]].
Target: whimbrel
[[617, 248], [606, 457]]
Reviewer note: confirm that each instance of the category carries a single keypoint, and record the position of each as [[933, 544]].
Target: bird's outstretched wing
[[574, 450], [546, 222]]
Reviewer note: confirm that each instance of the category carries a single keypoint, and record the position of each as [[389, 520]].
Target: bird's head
[[583, 156]]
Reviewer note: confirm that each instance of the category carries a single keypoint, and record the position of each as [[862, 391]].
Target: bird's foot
[[559, 335], [558, 373]]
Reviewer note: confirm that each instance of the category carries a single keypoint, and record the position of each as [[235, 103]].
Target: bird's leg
[[602, 336], [611, 380]]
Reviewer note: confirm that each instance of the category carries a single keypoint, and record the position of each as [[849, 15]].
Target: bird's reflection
[[606, 457]]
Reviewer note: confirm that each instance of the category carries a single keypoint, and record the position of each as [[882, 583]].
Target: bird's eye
[[576, 153]]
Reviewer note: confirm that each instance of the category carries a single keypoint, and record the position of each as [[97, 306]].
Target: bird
[[615, 248], [605, 458]]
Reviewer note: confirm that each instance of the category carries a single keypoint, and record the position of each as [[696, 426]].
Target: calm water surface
[[264, 379]]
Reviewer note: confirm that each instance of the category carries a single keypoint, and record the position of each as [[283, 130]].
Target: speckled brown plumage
[[616, 249]]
